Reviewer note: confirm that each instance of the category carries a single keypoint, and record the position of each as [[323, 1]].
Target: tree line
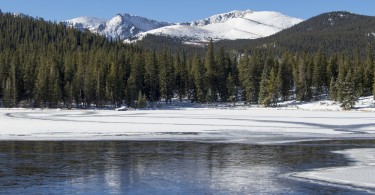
[[44, 64]]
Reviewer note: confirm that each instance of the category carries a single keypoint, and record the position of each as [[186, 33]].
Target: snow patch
[[371, 34]]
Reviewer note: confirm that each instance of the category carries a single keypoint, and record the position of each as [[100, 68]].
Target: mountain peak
[[330, 20], [237, 24], [116, 21], [221, 18], [232, 25], [120, 26]]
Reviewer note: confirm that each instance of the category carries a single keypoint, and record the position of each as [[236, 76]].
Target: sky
[[178, 11]]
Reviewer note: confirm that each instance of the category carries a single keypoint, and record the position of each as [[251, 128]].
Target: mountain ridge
[[232, 25], [120, 26], [331, 32]]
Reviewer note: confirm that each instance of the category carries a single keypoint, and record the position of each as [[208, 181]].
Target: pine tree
[[348, 94], [301, 78], [210, 66], [8, 98], [41, 87], [199, 81], [114, 84], [136, 79], [333, 90], [369, 70], [285, 77], [271, 100], [264, 91], [342, 72], [318, 77], [221, 74], [166, 76], [280, 81], [244, 76], [151, 77], [54, 87], [141, 100], [230, 89], [28, 78], [68, 91], [181, 75], [250, 70], [332, 68]]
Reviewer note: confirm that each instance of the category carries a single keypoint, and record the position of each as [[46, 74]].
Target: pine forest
[[45, 64]]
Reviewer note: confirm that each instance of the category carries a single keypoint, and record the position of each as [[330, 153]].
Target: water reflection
[[162, 168]]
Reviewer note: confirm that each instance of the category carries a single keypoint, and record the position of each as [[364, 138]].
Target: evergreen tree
[[28, 77], [318, 77], [8, 97], [369, 71], [340, 82], [264, 96], [231, 89], [285, 76], [41, 86], [68, 90], [166, 76], [271, 100], [141, 100], [221, 74], [333, 90], [301, 80], [250, 70], [54, 87], [181, 75], [151, 77], [135, 80], [279, 82], [244, 76], [332, 68], [199, 82], [210, 67], [348, 95]]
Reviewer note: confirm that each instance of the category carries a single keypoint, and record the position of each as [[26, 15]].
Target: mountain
[[232, 25], [121, 26], [333, 32], [228, 26]]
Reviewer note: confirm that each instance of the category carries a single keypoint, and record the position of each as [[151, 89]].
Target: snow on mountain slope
[[90, 23], [121, 26], [232, 25]]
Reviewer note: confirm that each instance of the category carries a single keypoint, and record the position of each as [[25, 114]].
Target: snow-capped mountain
[[232, 25], [121, 26]]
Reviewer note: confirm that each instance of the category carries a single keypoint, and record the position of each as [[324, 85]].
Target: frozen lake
[[162, 167], [223, 134], [259, 126]]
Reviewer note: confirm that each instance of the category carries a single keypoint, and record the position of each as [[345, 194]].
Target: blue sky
[[178, 11]]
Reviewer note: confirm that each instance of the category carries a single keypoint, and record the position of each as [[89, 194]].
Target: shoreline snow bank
[[359, 174]]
